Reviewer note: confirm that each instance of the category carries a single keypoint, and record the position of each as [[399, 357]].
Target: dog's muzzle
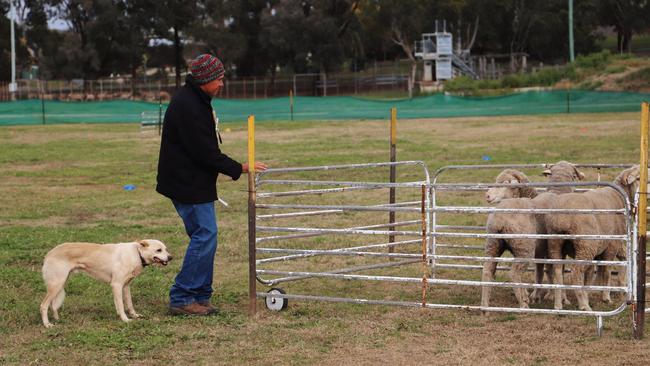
[[164, 263]]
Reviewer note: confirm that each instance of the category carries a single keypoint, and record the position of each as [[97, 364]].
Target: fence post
[[159, 113], [639, 306], [42, 93], [291, 102], [252, 271], [393, 174]]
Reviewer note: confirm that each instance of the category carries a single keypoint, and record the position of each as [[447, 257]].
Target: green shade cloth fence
[[29, 112]]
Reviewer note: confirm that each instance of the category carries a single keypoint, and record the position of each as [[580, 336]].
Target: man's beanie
[[206, 68]]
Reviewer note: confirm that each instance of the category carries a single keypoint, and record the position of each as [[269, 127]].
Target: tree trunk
[[178, 52], [414, 66], [399, 39], [627, 41], [134, 67], [619, 41]]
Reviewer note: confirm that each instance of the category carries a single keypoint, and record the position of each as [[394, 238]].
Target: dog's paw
[[125, 319], [48, 325], [135, 315]]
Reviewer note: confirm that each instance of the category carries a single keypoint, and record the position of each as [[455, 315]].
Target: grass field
[[64, 183]]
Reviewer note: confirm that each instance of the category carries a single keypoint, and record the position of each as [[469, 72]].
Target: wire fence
[[78, 90]]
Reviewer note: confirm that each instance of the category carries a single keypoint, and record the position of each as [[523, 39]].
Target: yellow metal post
[[393, 173], [252, 271], [639, 308]]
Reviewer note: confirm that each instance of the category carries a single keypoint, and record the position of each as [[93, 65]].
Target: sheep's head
[[497, 194], [629, 181], [563, 171]]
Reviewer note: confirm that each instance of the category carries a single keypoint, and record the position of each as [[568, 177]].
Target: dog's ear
[[143, 243]]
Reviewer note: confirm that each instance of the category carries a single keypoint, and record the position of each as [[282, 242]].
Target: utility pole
[[571, 54], [12, 85]]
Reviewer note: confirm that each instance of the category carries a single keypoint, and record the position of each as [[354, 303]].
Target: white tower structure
[[12, 85], [438, 48]]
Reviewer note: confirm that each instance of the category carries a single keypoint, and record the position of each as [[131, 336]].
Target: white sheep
[[524, 223], [588, 224]]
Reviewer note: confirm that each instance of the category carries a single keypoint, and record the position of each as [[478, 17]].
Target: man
[[189, 163]]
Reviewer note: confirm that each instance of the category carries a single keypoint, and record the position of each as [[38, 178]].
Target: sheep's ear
[[514, 181], [630, 178], [520, 177], [546, 172], [581, 175], [143, 243]]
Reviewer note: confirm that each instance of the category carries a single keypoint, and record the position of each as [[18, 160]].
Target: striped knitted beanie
[[206, 68]]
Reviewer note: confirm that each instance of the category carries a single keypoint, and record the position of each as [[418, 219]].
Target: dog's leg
[[57, 303], [129, 302], [118, 288], [53, 289]]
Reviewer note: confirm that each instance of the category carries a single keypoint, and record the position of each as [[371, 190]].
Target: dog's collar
[[142, 261]]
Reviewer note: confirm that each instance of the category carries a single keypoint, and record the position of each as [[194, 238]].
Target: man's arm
[[199, 139]]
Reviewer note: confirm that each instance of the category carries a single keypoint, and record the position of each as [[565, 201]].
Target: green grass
[[64, 183]]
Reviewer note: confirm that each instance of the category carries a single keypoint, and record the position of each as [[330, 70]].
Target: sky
[[52, 23]]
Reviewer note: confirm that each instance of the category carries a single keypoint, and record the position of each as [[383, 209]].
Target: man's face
[[212, 88]]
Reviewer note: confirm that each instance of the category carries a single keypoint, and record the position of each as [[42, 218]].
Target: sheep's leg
[[516, 274], [565, 298], [606, 275], [577, 278], [524, 248], [603, 278], [549, 277], [489, 268], [621, 279], [540, 252], [493, 248], [537, 294], [555, 252], [593, 274]]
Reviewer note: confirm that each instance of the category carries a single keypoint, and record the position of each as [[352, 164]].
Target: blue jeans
[[194, 281]]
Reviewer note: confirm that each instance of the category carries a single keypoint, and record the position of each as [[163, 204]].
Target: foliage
[[596, 61], [259, 37], [544, 77]]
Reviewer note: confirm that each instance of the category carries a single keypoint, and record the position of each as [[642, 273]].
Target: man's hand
[[259, 167]]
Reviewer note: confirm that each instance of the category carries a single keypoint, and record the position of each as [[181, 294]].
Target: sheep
[[521, 198], [498, 194], [586, 224]]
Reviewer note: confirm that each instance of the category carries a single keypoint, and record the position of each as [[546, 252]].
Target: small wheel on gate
[[276, 303]]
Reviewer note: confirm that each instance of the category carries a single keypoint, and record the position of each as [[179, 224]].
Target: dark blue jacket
[[190, 159]]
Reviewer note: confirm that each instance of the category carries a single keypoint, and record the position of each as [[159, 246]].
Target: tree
[[214, 32], [311, 36], [627, 17], [77, 48], [121, 29], [171, 19], [22, 59], [403, 22]]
